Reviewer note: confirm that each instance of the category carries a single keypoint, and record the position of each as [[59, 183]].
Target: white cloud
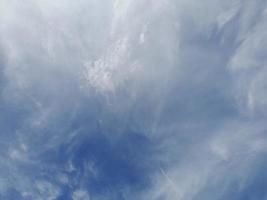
[[248, 66], [46, 190], [80, 195], [160, 64]]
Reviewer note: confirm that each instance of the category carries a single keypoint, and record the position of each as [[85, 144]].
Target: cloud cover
[[133, 99]]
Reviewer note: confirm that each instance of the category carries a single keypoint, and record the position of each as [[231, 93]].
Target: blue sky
[[133, 99]]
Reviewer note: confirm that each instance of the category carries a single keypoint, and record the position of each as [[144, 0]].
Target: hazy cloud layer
[[133, 99]]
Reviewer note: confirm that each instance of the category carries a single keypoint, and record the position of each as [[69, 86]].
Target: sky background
[[133, 99]]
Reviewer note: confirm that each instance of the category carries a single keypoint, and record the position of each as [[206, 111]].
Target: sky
[[133, 100]]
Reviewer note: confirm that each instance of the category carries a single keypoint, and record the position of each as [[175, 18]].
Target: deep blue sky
[[133, 100]]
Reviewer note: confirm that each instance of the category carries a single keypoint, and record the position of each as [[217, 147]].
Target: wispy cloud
[[133, 99]]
